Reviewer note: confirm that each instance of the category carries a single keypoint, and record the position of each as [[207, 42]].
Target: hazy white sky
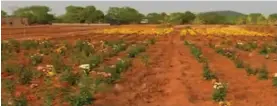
[[58, 7]]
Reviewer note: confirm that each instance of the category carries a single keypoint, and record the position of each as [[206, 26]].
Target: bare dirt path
[[173, 79]]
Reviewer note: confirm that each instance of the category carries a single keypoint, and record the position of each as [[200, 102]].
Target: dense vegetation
[[127, 15]]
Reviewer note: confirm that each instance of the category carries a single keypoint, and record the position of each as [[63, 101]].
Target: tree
[[74, 14], [241, 20], [35, 14], [3, 13], [176, 18], [154, 18], [188, 17], [211, 18], [256, 18], [124, 15], [272, 19]]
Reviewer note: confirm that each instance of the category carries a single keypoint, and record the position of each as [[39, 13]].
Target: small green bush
[[85, 97], [36, 59], [70, 77], [263, 73], [274, 81], [250, 71], [25, 75], [239, 63], [220, 94], [135, 50], [207, 74]]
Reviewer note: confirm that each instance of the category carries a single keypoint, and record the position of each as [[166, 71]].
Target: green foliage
[[12, 68], [35, 14], [124, 15], [21, 101], [151, 41], [29, 44], [250, 71], [256, 18], [212, 18], [263, 73], [155, 18], [83, 46], [3, 13], [196, 52], [247, 47], [58, 63], [48, 99], [220, 93], [25, 75], [10, 46], [70, 77], [8, 84], [274, 81], [188, 17], [115, 70], [265, 49], [135, 50], [85, 97], [145, 60], [239, 63], [36, 59], [78, 14], [95, 60], [207, 74], [272, 18]]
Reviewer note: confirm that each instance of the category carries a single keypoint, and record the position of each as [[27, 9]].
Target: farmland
[[139, 65]]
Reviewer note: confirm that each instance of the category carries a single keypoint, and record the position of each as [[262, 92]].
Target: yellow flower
[[50, 74]]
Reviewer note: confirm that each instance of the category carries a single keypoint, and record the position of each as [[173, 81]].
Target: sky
[[58, 7]]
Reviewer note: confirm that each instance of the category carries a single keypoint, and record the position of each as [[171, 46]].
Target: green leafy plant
[[48, 99], [239, 63], [151, 41], [85, 97], [21, 101], [70, 77], [12, 68], [25, 75], [274, 81], [10, 46], [219, 93], [36, 59], [83, 46], [263, 73], [58, 63], [9, 85], [135, 50], [29, 44], [145, 60], [207, 74], [250, 71]]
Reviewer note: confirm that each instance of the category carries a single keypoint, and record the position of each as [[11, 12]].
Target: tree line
[[127, 15]]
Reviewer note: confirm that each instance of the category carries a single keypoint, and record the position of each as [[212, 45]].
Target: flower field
[[138, 66]]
